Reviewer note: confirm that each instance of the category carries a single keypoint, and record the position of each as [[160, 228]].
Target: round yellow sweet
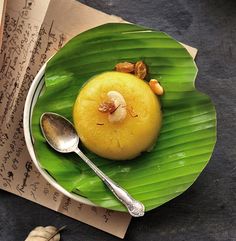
[[120, 140]]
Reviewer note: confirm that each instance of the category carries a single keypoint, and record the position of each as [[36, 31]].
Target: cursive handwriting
[[28, 168]]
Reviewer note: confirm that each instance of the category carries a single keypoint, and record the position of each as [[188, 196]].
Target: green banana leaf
[[188, 134]]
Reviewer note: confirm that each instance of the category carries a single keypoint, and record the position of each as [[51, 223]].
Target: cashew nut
[[120, 107], [156, 87]]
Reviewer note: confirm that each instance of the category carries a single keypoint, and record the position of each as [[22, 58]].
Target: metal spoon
[[61, 136]]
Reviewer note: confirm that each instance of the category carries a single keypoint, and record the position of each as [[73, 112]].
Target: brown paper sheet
[[34, 31]]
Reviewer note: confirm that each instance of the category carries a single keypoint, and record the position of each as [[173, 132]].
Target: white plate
[[32, 97]]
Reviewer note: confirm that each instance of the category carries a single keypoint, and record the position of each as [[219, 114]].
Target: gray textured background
[[207, 211]]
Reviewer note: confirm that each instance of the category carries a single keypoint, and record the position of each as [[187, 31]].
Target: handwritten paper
[[33, 32]]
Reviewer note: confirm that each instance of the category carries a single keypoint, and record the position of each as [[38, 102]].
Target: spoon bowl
[[59, 132]]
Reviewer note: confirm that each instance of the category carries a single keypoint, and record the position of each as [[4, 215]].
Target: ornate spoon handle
[[135, 208]]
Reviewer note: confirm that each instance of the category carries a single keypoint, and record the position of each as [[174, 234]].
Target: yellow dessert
[[117, 115]]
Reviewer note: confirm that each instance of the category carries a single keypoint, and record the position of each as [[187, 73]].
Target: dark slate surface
[[207, 211]]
